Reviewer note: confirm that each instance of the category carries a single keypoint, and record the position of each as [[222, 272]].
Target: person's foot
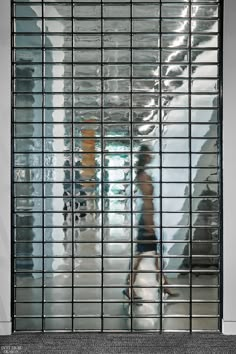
[[126, 293], [169, 292]]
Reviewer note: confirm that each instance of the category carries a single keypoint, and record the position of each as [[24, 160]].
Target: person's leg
[[164, 279], [132, 276]]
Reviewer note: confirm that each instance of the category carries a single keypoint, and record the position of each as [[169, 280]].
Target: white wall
[[229, 136], [5, 126], [229, 168]]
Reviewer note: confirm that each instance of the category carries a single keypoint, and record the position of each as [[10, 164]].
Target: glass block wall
[[92, 82]]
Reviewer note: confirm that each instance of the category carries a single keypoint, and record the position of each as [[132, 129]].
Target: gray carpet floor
[[108, 343]]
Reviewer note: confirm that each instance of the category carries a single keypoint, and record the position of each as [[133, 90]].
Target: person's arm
[[148, 208]]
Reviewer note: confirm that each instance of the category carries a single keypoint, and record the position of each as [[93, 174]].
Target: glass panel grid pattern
[[91, 83]]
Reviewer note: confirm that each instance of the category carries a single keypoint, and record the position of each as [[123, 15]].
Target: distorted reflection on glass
[[146, 239]]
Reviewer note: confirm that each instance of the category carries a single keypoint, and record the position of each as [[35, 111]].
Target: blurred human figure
[[146, 239]]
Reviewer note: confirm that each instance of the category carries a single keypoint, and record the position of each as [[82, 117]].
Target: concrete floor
[[89, 293]]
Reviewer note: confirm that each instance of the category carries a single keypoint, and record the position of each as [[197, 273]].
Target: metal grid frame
[[131, 107]]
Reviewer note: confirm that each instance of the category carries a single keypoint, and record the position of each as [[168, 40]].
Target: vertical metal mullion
[[102, 171], [190, 167], [43, 192], [220, 147], [72, 164], [131, 163], [160, 168], [12, 173]]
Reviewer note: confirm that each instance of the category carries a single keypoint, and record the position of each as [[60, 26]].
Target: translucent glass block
[[96, 159], [146, 55], [144, 25], [175, 324], [204, 10], [82, 25], [175, 145], [204, 71], [27, 265], [55, 40], [147, 70], [175, 25], [87, 11], [87, 55], [58, 100], [211, 160], [179, 234], [146, 40], [176, 130], [175, 71], [206, 56], [206, 324], [115, 115], [28, 100], [29, 55], [175, 189], [145, 115], [57, 55], [54, 324], [22, 130], [174, 55], [58, 70], [175, 160], [205, 25], [27, 175], [91, 309], [210, 174], [53, 10], [116, 70], [87, 294], [209, 189], [116, 11], [26, 25], [87, 41], [175, 85], [27, 160], [175, 40], [116, 55], [116, 40], [83, 100], [26, 204], [87, 70], [204, 40], [58, 85], [22, 309], [116, 85], [95, 147], [22, 10], [175, 204], [175, 175], [32, 324], [171, 219], [204, 100], [21, 250], [201, 130], [87, 324], [83, 115], [57, 25], [116, 100], [145, 85], [116, 25], [146, 10], [57, 308], [116, 130], [50, 294], [204, 115], [175, 10], [208, 85], [28, 70]]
